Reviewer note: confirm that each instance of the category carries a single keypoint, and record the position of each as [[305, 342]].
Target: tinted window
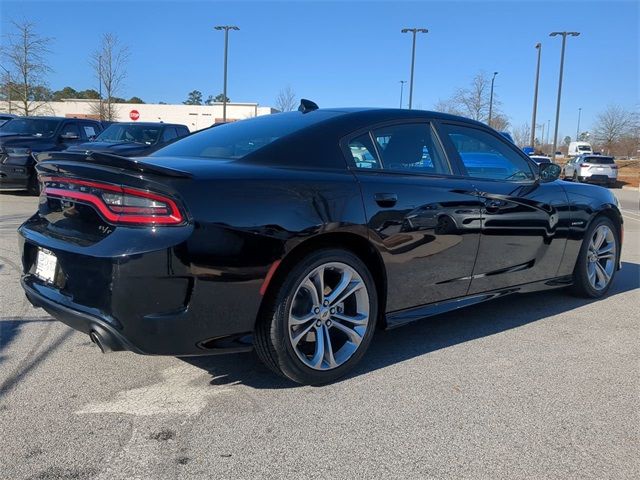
[[238, 139], [89, 129], [410, 147], [487, 156], [119, 133], [363, 154], [70, 128], [599, 160], [182, 131], [31, 126], [169, 134]]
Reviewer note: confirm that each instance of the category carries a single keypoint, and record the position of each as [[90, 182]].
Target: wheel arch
[[352, 242]]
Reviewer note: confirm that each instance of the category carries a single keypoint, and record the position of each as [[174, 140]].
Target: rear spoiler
[[109, 160]]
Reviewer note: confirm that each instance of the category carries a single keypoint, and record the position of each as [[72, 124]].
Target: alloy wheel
[[329, 316], [601, 257]]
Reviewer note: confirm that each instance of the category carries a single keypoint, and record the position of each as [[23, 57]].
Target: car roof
[[396, 113], [50, 117]]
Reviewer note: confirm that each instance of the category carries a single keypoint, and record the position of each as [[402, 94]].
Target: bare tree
[[286, 100], [109, 62], [447, 106], [612, 124], [522, 135], [25, 54], [473, 102]]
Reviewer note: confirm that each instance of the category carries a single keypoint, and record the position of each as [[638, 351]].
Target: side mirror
[[549, 172], [69, 136]]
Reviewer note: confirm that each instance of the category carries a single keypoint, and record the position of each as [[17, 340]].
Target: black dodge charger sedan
[[302, 232]]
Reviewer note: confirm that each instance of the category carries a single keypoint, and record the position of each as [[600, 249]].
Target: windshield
[[30, 126], [237, 139], [144, 134], [599, 160]]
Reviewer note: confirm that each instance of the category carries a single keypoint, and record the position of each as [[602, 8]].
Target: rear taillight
[[585, 164], [117, 204], [615, 167]]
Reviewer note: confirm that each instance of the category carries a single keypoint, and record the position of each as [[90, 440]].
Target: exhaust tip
[[95, 338]]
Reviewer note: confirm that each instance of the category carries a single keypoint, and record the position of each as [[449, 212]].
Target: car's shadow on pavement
[[424, 336]]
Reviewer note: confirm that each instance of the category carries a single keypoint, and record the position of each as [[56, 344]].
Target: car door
[[524, 222], [424, 221], [569, 167]]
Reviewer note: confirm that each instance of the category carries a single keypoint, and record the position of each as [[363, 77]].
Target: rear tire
[[598, 259], [313, 330]]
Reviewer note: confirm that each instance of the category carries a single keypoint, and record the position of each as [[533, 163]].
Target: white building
[[195, 117]]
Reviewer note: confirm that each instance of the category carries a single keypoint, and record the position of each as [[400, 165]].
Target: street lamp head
[[538, 45], [573, 34], [495, 73], [226, 27], [553, 34], [416, 30]]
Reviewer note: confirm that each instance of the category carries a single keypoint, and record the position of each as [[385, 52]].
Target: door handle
[[386, 200]]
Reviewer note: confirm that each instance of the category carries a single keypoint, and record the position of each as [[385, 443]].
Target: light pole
[[491, 98], [402, 82], [564, 41], [8, 86], [535, 97], [549, 130], [541, 139], [226, 29], [578, 129], [413, 57]]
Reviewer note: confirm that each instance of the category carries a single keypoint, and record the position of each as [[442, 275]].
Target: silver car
[[591, 168]]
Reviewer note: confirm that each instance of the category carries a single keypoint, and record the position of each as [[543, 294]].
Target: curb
[[629, 187]]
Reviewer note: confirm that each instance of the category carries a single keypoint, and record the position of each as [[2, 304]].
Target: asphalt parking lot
[[541, 385]]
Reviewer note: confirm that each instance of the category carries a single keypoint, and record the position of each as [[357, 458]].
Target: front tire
[[598, 259], [320, 321]]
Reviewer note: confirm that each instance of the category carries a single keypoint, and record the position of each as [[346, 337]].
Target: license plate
[[601, 169], [46, 265]]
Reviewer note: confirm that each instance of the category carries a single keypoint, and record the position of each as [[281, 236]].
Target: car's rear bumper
[[146, 302]]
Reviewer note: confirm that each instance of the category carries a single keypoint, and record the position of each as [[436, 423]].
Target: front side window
[[412, 148], [71, 130], [486, 156], [169, 134]]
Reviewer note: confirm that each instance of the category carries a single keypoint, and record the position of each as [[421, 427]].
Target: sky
[[352, 53]]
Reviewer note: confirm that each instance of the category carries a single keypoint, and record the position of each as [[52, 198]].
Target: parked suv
[[133, 139], [592, 168], [22, 137]]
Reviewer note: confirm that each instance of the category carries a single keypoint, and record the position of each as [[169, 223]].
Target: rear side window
[[71, 129], [363, 153], [238, 139], [410, 147], [486, 156]]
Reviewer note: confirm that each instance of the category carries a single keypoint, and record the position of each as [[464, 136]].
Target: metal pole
[[413, 61], [226, 29], [402, 82], [578, 129], [224, 91], [491, 98], [414, 31], [535, 98], [542, 139], [548, 130], [564, 41]]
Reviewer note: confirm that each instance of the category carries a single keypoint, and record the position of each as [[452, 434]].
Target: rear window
[[599, 160], [238, 139], [584, 148]]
